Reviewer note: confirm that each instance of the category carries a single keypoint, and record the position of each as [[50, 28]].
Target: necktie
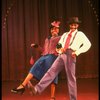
[[68, 40]]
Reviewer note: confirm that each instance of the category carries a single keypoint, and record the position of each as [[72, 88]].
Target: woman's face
[[54, 31]]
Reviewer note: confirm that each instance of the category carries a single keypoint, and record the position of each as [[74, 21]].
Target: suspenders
[[73, 38]]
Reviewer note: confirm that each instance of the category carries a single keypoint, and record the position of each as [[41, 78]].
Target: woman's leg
[[25, 82], [53, 87], [21, 88]]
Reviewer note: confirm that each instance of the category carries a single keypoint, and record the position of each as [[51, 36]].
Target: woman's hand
[[34, 45], [60, 50]]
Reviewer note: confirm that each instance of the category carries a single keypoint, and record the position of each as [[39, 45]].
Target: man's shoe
[[53, 98], [31, 88]]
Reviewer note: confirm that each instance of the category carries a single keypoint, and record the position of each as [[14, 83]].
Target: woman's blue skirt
[[42, 65]]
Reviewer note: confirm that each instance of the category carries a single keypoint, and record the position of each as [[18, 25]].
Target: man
[[41, 66], [71, 44]]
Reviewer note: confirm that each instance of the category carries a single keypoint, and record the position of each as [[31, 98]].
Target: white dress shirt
[[80, 43]]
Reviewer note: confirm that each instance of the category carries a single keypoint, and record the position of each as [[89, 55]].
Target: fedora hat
[[74, 20]]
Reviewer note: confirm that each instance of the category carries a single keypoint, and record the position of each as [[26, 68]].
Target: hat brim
[[72, 22]]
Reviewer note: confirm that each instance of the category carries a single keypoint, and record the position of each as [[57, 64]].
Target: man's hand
[[73, 54]]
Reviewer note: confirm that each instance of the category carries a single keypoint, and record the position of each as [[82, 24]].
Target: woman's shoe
[[18, 91]]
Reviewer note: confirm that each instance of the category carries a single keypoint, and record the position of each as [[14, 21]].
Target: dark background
[[27, 21]]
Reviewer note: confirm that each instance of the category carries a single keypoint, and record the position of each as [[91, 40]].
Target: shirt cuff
[[77, 53]]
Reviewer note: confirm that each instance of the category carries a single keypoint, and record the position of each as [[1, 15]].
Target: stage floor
[[88, 89]]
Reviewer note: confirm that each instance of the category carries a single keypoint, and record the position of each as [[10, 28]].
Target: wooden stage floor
[[87, 90]]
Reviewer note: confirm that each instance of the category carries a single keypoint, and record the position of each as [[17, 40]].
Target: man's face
[[74, 26], [54, 30]]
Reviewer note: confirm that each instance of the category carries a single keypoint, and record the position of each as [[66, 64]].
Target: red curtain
[[27, 21]]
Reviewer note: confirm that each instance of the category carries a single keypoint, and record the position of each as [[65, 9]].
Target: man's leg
[[70, 72], [50, 75]]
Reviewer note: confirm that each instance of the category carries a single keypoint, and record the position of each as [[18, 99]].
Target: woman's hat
[[74, 20], [55, 23]]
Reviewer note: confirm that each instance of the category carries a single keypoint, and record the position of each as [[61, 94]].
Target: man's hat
[[74, 20]]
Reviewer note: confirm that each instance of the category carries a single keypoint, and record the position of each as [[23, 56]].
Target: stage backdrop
[[27, 21]]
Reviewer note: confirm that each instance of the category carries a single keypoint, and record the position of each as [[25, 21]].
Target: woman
[[41, 66]]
